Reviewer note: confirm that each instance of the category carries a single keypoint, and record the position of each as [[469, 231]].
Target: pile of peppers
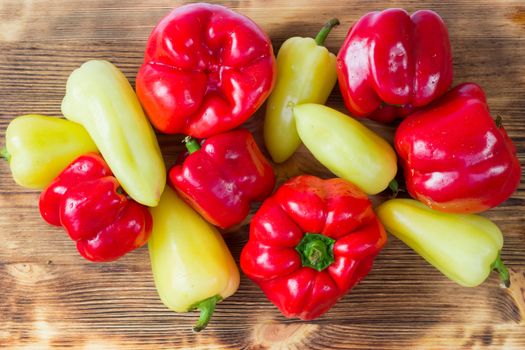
[[208, 69]]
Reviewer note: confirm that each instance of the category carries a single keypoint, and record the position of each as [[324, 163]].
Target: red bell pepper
[[310, 243], [220, 180], [391, 62], [456, 158], [206, 70], [86, 199]]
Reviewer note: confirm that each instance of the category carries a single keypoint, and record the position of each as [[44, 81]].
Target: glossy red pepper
[[86, 199], [310, 243], [455, 157], [206, 70], [220, 180], [391, 62]]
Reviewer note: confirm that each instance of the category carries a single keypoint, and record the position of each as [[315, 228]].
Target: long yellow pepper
[[192, 266], [306, 72], [465, 248], [38, 148], [346, 147], [99, 97]]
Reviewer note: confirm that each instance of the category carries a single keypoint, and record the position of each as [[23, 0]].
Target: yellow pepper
[[99, 97], [346, 147], [465, 248], [38, 148], [306, 72], [192, 266]]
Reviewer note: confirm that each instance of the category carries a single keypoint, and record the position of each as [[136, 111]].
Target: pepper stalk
[[316, 251], [191, 144], [323, 33], [499, 266], [5, 154], [206, 308]]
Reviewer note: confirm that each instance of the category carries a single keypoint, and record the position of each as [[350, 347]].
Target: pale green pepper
[[39, 147], [191, 264], [465, 248], [306, 72], [99, 97], [346, 147]]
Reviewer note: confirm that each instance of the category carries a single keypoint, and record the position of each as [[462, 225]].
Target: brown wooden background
[[52, 298]]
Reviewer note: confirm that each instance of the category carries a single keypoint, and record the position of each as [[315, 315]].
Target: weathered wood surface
[[52, 298]]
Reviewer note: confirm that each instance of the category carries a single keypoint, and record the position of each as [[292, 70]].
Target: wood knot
[[273, 335], [26, 273], [517, 292], [13, 18], [518, 16]]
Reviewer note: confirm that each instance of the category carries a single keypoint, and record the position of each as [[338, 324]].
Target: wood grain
[[52, 298]]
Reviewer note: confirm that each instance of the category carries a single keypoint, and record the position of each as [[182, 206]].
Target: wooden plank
[[52, 298]]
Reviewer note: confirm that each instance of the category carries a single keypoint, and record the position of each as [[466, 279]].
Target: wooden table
[[52, 298]]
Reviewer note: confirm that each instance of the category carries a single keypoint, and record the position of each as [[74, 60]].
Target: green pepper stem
[[5, 154], [502, 270], [316, 251], [323, 33], [394, 187], [206, 308], [191, 144]]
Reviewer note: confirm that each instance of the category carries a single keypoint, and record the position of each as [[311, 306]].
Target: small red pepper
[[310, 243], [391, 62], [456, 158], [206, 70], [86, 199], [220, 180]]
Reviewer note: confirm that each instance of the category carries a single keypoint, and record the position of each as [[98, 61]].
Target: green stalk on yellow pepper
[[346, 147], [99, 97], [306, 72], [465, 248], [39, 147], [191, 264]]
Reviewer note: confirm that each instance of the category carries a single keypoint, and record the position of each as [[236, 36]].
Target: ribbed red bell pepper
[[456, 158], [206, 70], [310, 243], [86, 199], [222, 178], [391, 62]]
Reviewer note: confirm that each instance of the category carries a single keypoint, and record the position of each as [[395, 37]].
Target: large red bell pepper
[[391, 62], [86, 199], [206, 70], [456, 158], [220, 179], [310, 243]]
